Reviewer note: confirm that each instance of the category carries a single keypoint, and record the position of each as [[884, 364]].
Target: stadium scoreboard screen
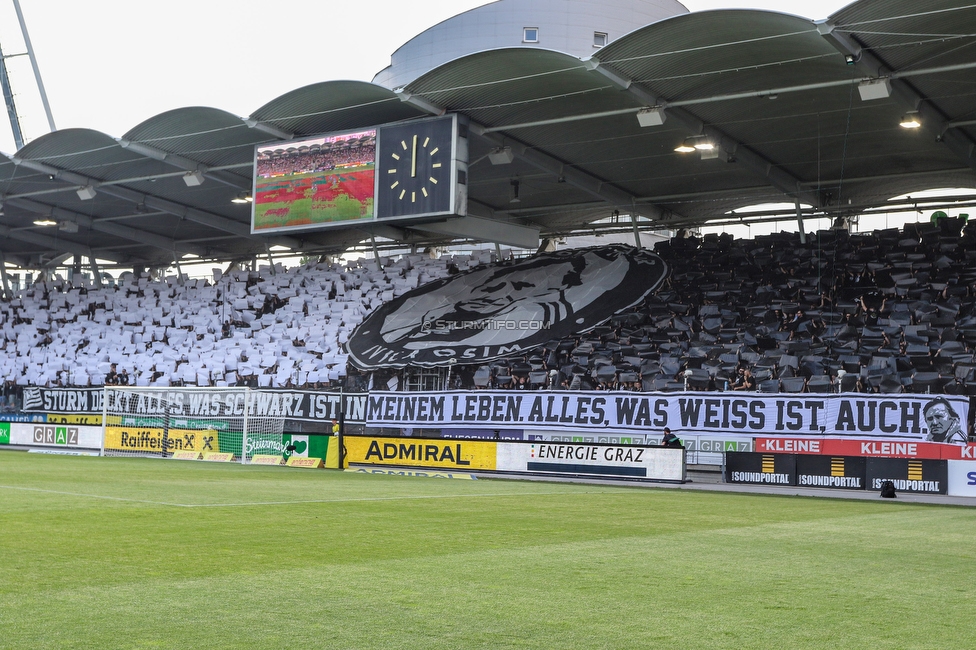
[[314, 181], [408, 170]]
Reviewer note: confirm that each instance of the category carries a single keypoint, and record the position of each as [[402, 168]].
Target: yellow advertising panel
[[78, 418], [218, 457], [332, 453], [265, 459], [300, 461], [149, 439], [412, 452]]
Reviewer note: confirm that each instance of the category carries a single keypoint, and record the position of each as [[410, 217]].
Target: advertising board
[[846, 473], [908, 475], [420, 452], [865, 448], [761, 469], [618, 461], [962, 478], [52, 435]]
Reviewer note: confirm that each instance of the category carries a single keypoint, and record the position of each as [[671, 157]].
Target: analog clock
[[414, 168], [402, 168]]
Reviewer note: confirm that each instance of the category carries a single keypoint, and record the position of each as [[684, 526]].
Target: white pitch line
[[357, 499], [284, 503], [90, 496]]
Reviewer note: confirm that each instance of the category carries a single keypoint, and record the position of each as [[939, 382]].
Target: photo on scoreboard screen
[[314, 182]]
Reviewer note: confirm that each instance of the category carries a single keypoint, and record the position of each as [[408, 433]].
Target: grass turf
[[142, 553]]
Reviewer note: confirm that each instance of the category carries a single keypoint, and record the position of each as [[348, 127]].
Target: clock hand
[[413, 159]]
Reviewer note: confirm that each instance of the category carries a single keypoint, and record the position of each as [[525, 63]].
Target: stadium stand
[[269, 328], [887, 312]]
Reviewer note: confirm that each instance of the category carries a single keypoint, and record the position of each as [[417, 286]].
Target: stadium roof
[[780, 96]]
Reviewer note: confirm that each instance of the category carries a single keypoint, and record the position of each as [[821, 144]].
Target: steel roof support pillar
[[799, 223], [267, 249], [96, 272], [179, 271], [376, 254], [3, 275]]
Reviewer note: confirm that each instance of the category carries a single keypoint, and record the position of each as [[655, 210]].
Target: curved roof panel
[[717, 52], [775, 93], [546, 85], [334, 106], [74, 149], [905, 34], [562, 26], [208, 135]]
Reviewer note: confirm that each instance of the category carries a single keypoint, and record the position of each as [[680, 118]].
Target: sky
[[111, 64]]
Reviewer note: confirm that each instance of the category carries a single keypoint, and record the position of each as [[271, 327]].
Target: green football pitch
[[144, 553]]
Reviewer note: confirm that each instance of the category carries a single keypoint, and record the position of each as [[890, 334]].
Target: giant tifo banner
[[503, 309], [918, 417], [289, 404]]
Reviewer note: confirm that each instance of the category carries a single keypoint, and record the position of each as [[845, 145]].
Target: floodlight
[[874, 89], [501, 156], [702, 143], [653, 116], [687, 146], [194, 178], [910, 121], [86, 193]]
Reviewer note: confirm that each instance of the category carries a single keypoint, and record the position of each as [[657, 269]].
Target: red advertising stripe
[[791, 445], [872, 448], [885, 448], [965, 453]]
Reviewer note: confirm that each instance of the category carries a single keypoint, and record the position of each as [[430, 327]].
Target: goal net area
[[160, 422]]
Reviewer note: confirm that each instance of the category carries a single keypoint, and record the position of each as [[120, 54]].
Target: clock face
[[414, 167]]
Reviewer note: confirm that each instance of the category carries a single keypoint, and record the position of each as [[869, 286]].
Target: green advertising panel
[[4, 433], [274, 444]]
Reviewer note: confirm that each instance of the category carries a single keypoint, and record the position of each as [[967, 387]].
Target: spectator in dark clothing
[[670, 440]]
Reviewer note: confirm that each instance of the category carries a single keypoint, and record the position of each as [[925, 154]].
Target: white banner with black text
[[939, 418]]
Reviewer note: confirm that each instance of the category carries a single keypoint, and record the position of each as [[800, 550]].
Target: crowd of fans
[[884, 312], [888, 311], [276, 328], [307, 161]]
